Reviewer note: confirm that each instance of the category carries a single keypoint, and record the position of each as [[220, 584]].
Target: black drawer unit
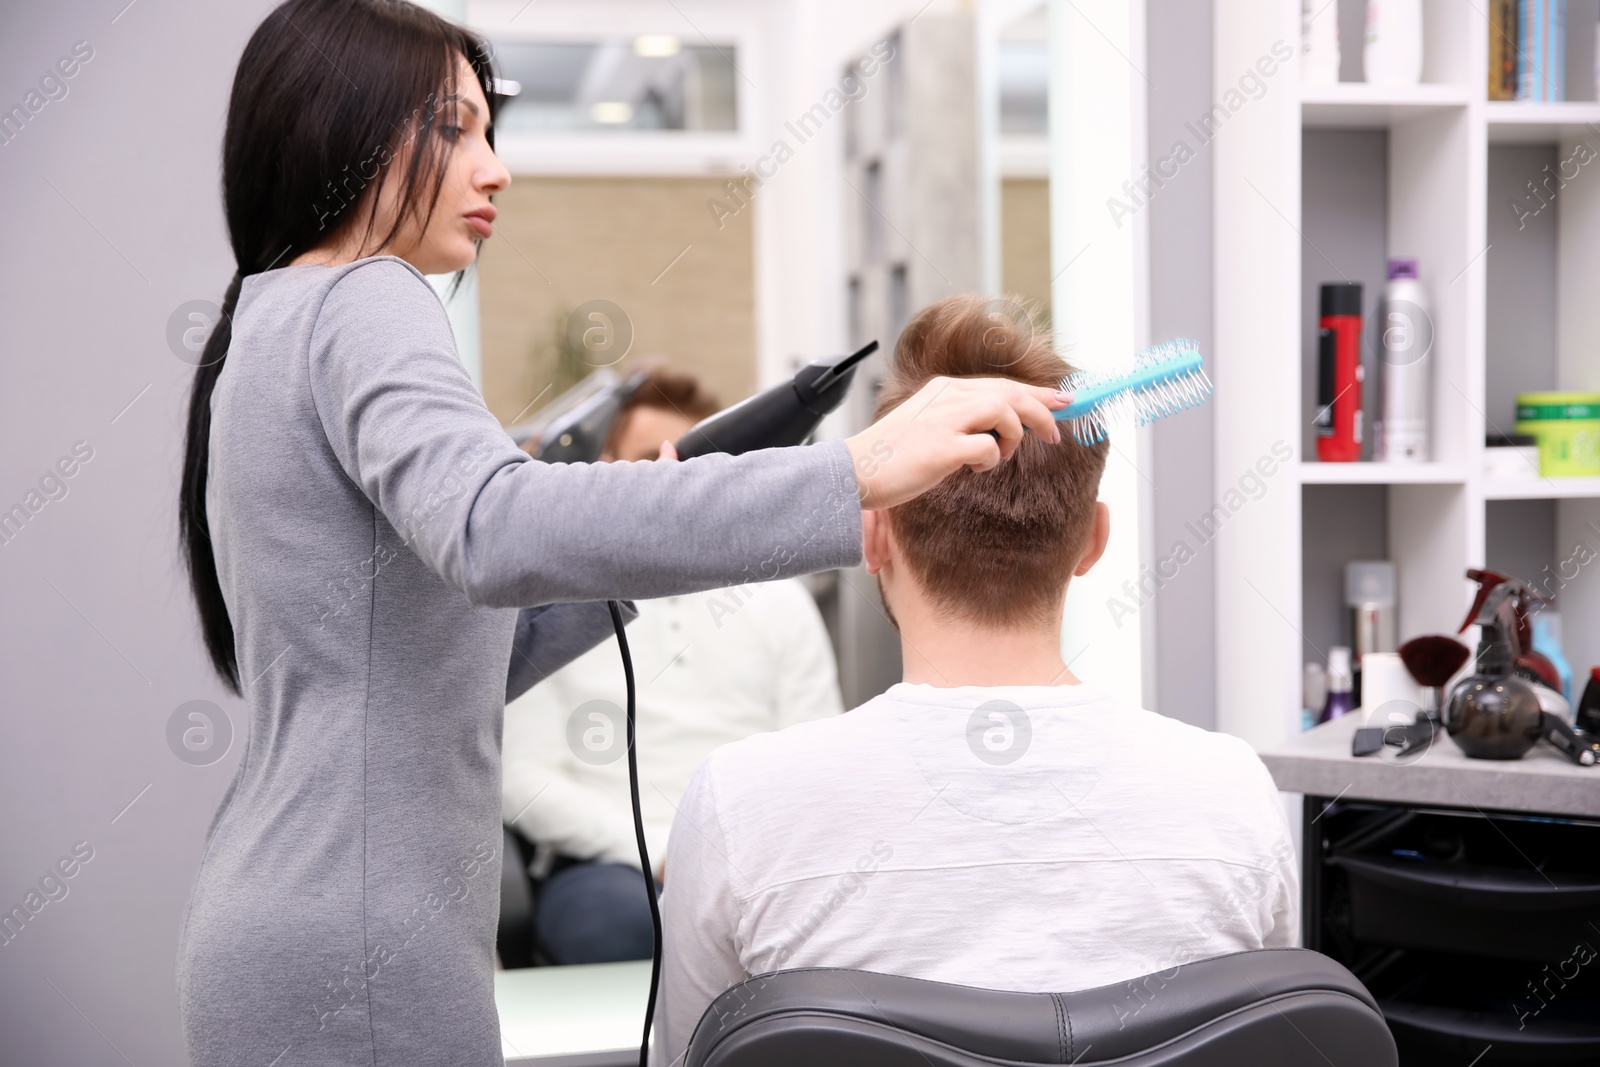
[[1478, 932]]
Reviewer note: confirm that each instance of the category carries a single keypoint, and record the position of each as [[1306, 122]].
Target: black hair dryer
[[783, 415]]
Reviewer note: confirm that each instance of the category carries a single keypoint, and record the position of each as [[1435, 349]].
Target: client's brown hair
[[996, 547], [668, 389]]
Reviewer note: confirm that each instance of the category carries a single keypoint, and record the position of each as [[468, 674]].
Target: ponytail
[[194, 531]]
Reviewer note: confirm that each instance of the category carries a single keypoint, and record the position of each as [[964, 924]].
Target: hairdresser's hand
[[944, 426]]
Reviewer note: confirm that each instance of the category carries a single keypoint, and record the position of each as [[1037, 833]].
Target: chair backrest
[[1266, 1008]]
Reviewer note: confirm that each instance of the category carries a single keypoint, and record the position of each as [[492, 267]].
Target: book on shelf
[[1541, 50], [1503, 49]]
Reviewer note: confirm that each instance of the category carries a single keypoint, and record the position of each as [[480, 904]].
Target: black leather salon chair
[[514, 940], [1267, 1008]]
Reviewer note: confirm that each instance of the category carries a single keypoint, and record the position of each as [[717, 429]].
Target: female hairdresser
[[359, 531]]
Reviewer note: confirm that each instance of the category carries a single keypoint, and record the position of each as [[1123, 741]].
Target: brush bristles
[[1150, 393], [1151, 359], [1434, 659]]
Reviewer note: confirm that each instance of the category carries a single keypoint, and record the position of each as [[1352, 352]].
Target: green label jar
[[1567, 427]]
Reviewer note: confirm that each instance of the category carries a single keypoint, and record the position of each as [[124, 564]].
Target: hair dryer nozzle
[[783, 415]]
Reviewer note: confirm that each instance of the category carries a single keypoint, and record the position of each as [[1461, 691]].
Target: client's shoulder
[[1162, 739]]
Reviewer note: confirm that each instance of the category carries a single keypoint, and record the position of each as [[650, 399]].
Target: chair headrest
[[1085, 1027]]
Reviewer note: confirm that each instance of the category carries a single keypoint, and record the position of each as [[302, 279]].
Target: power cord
[[638, 831]]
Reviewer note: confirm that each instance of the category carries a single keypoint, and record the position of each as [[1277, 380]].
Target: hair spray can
[[1405, 339], [1339, 373]]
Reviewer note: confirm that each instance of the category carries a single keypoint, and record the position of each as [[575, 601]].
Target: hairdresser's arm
[[700, 916], [409, 427], [551, 636]]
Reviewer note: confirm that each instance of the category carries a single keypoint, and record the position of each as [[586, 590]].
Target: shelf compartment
[[1358, 105], [1500, 889], [1382, 474], [1521, 122], [1444, 1009], [1463, 907]]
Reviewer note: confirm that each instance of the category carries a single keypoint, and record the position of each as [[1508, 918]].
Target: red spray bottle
[[1339, 373]]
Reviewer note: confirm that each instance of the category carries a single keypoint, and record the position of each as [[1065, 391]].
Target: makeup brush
[[1432, 661]]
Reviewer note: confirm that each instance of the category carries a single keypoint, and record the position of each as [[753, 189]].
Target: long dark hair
[[325, 97]]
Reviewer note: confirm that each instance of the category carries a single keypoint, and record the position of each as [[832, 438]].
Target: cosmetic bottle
[[1405, 341], [1339, 373], [1314, 694], [1547, 639], [1340, 701], [1587, 717], [1369, 593], [1385, 686], [1492, 714], [1393, 46], [1319, 42]]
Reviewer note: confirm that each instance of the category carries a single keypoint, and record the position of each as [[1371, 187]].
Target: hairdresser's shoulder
[[379, 273], [378, 286]]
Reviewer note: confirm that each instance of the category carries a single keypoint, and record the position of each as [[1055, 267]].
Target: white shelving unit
[[1394, 172]]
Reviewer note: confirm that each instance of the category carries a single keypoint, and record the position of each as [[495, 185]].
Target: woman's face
[[462, 214]]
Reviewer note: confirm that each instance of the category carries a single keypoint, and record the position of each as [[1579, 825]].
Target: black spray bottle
[[1492, 714]]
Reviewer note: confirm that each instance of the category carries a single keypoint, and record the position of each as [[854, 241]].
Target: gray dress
[[375, 533]]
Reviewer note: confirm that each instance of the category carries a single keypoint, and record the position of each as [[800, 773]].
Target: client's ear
[[1099, 534], [874, 540]]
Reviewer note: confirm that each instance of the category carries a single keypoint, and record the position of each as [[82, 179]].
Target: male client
[[991, 820]]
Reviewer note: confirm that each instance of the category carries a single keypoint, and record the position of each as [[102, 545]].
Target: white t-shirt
[[710, 667], [1036, 838]]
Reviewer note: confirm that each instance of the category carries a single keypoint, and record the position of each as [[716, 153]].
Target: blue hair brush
[[1160, 381]]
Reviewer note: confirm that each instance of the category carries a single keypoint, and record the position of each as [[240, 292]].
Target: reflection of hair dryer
[[785, 414], [574, 427]]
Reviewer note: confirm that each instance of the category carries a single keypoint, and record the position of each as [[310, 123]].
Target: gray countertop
[[1318, 763]]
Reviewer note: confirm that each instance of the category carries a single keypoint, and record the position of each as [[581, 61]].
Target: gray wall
[[112, 220], [1345, 219], [1520, 340], [1179, 48]]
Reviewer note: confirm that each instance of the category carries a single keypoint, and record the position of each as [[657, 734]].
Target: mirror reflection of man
[[711, 668]]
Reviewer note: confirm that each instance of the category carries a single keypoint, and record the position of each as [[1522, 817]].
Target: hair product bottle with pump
[[1405, 339], [1339, 373]]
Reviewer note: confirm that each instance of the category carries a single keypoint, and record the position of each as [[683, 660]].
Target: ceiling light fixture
[[656, 45]]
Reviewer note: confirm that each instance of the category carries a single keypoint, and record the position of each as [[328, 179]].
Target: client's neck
[[946, 653]]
